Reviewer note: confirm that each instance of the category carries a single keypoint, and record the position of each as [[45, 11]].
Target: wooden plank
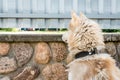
[[26, 10], [48, 6], [94, 7], [61, 23], [115, 24], [101, 6], [5, 6], [19, 10], [75, 6], [105, 24], [12, 6], [81, 6], [38, 23], [19, 6], [107, 6], [61, 6], [41, 6], [61, 11], [55, 10], [64, 23], [1, 6], [68, 7], [34, 6], [48, 10], [9, 23], [88, 6], [118, 6], [1, 23], [26, 6], [26, 23], [113, 6], [54, 6], [67, 21], [52, 23], [41, 9]]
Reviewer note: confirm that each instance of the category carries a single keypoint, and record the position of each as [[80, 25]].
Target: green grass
[[110, 30], [8, 30], [50, 30]]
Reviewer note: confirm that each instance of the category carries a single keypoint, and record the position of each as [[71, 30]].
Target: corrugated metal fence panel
[[56, 13]]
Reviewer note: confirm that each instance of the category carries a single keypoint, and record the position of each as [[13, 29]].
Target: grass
[[111, 30], [52, 30]]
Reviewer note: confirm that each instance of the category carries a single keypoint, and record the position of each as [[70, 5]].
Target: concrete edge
[[14, 37]]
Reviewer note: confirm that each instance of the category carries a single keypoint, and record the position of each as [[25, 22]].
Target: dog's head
[[83, 34]]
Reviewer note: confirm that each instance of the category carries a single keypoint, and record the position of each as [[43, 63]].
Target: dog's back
[[95, 67]]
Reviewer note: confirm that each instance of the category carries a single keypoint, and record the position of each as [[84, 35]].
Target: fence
[[56, 13]]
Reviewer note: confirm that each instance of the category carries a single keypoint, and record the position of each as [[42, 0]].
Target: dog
[[85, 40]]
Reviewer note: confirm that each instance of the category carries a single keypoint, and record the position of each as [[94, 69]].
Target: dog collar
[[85, 53]]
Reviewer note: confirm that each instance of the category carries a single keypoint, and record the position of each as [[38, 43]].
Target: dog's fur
[[84, 35]]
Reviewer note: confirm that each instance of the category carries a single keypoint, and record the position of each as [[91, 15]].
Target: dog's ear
[[74, 21], [82, 16], [74, 16]]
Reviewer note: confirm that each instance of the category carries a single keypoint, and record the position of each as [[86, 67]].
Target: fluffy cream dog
[[85, 36]]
